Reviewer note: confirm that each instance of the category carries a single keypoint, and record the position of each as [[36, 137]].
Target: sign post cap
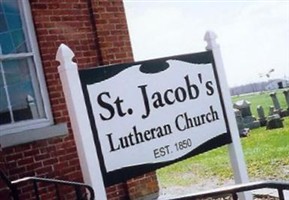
[[210, 38], [64, 55]]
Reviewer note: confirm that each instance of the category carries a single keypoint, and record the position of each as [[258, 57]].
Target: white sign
[[128, 119], [156, 117]]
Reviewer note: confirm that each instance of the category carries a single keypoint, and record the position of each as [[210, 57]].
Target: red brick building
[[36, 136]]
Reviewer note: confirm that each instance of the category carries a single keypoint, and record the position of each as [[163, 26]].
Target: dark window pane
[[10, 6], [13, 21], [3, 24], [1, 9], [18, 40], [18, 81], [4, 109], [6, 43], [21, 90], [12, 39]]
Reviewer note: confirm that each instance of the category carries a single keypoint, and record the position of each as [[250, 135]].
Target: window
[[23, 96]]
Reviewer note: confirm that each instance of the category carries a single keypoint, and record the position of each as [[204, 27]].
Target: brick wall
[[97, 33], [143, 185], [112, 31]]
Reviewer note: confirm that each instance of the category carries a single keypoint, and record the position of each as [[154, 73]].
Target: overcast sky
[[253, 35]]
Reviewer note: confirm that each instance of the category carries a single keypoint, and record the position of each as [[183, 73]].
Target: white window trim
[[33, 135], [31, 36]]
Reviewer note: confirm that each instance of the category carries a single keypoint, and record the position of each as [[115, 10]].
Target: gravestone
[[244, 107], [285, 112], [239, 119], [286, 94], [277, 107], [262, 118], [248, 120], [274, 121], [271, 111], [276, 103], [243, 132]]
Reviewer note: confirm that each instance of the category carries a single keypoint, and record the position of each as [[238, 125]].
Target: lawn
[[266, 154]]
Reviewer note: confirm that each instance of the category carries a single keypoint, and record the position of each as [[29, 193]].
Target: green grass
[[266, 154]]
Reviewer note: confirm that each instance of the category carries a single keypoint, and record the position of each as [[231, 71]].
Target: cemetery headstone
[[276, 103], [262, 118], [277, 107], [239, 120], [244, 107], [286, 94], [248, 120], [271, 111], [274, 121]]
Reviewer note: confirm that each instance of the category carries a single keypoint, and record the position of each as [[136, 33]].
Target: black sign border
[[97, 74]]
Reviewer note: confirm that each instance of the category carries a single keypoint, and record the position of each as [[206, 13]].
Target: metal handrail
[[233, 190], [10, 185], [56, 182], [77, 186], [280, 186]]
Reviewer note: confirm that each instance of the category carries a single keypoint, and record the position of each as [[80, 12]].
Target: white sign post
[[235, 148], [79, 121], [165, 110]]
